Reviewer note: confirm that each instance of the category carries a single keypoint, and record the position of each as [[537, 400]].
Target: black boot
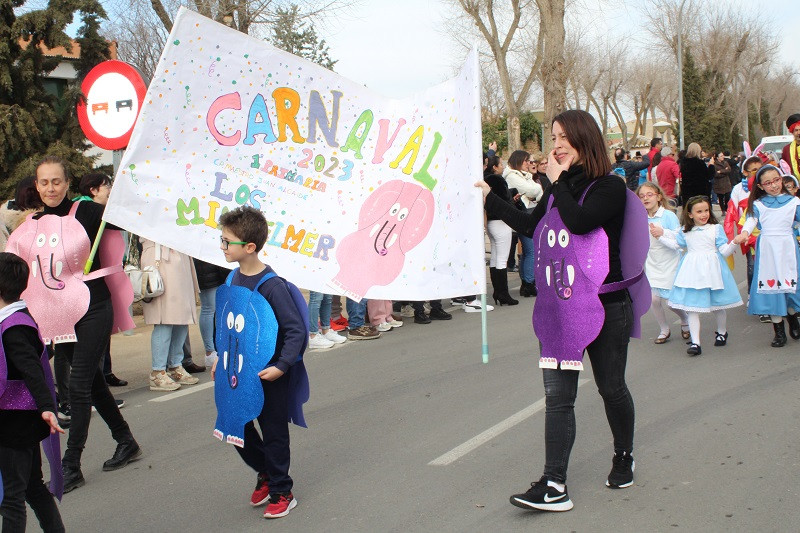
[[794, 326], [780, 335], [534, 292], [127, 451], [526, 289], [501, 295], [73, 478]]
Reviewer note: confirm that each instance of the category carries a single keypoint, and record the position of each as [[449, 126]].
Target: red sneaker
[[339, 324], [279, 505], [261, 494]]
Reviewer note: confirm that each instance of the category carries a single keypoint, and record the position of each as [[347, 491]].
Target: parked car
[[776, 143]]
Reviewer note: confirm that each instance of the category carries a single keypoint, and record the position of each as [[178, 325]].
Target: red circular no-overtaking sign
[[114, 93]]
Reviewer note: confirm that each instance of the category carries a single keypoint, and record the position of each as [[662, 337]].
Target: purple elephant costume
[[14, 395], [568, 314]]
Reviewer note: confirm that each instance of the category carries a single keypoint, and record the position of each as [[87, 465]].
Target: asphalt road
[[412, 432]]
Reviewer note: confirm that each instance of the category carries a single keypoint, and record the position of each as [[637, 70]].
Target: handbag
[[146, 282]]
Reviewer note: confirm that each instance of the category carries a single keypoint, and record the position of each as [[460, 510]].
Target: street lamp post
[[680, 72]]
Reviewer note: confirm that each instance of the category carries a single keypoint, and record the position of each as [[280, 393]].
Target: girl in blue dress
[[774, 289], [662, 261], [704, 283]]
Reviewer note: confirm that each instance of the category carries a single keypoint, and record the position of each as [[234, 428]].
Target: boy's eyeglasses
[[225, 243]]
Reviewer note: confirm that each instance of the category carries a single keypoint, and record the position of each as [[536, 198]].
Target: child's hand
[[656, 230], [214, 368], [271, 373], [493, 146], [739, 239], [52, 421]]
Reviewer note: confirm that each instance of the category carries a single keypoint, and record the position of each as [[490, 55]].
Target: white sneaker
[[318, 342], [211, 359], [181, 376], [395, 323], [384, 326], [161, 381], [475, 306], [334, 337], [407, 311]]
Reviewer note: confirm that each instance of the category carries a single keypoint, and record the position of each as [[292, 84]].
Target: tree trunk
[[554, 79], [158, 7]]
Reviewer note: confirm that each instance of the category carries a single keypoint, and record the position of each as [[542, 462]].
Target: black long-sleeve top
[[499, 187], [90, 215], [604, 206], [23, 349]]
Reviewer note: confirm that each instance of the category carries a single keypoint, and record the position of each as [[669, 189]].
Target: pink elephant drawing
[[393, 220], [56, 249]]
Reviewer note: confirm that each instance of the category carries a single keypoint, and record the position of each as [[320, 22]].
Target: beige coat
[[177, 306]]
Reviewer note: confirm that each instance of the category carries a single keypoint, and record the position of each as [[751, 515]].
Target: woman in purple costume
[[586, 198]]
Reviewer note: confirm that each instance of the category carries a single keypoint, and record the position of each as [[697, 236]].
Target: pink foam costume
[[392, 221], [56, 249]]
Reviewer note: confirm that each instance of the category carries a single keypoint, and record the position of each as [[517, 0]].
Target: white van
[[776, 143]]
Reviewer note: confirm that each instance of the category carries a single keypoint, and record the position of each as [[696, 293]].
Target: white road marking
[[191, 389], [479, 440]]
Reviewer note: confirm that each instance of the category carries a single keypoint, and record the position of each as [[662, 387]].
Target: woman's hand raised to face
[[554, 168]]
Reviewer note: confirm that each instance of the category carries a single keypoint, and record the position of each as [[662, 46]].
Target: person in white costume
[[662, 261]]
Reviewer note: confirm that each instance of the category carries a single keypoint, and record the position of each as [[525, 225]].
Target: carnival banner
[[364, 195]]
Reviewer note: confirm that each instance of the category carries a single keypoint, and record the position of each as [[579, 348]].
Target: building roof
[[74, 54]]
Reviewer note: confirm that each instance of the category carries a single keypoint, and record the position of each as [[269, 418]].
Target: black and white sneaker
[[543, 497], [621, 475]]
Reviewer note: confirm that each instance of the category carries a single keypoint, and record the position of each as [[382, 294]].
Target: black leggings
[[87, 385], [22, 481], [723, 199]]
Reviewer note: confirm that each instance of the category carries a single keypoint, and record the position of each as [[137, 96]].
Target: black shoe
[[421, 318], [534, 291], [694, 349], [794, 326], [780, 335], [73, 478], [64, 415], [622, 468], [438, 313], [194, 368], [525, 290], [126, 452], [114, 381], [543, 497], [721, 339]]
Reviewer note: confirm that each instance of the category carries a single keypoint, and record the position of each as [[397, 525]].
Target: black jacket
[[209, 276], [632, 169], [695, 178]]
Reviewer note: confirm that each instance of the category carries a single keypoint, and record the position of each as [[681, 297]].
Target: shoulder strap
[[267, 276], [229, 279], [73, 209]]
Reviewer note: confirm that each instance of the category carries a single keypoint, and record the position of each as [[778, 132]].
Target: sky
[[398, 47]]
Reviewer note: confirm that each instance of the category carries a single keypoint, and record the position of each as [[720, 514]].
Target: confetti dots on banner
[[176, 42]]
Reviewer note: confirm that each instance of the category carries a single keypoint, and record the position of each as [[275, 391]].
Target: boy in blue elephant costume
[[259, 375]]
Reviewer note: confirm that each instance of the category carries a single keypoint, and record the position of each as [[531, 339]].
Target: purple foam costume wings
[[568, 314]]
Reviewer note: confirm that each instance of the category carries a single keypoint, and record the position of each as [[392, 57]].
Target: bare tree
[[553, 74]]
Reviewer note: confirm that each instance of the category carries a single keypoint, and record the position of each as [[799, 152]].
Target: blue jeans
[[166, 345], [355, 313], [608, 354], [208, 300], [319, 311], [528, 254]]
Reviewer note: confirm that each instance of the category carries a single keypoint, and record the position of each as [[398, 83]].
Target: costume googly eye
[[53, 242], [40, 240], [403, 214], [230, 320], [551, 238], [239, 323], [395, 208], [563, 238]]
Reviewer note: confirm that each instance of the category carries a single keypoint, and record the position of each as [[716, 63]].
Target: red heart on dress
[[771, 282]]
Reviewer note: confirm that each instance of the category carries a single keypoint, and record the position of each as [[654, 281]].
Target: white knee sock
[[694, 326], [682, 315], [658, 311], [721, 316]]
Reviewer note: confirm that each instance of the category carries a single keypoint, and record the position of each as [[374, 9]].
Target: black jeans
[[723, 199], [608, 354], [22, 481], [87, 385], [419, 307], [271, 454]]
